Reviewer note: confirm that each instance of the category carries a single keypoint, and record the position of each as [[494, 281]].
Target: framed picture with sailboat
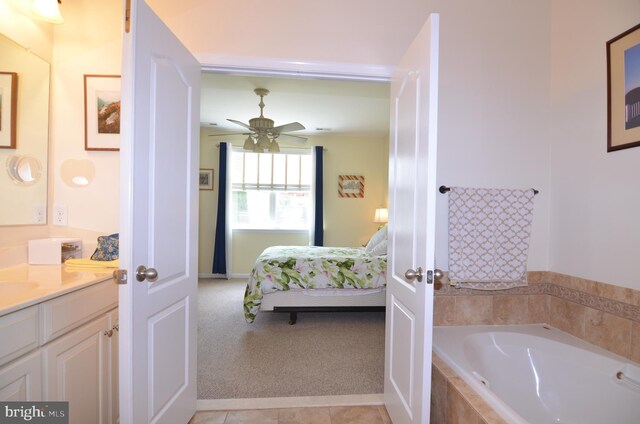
[[623, 90]]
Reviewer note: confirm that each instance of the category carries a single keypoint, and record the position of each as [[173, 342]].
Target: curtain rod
[[324, 149], [445, 189]]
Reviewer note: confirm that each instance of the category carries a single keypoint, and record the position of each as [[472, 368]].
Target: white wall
[[354, 31], [595, 195], [88, 42], [494, 107]]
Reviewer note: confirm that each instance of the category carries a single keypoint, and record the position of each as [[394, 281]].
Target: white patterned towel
[[489, 231]]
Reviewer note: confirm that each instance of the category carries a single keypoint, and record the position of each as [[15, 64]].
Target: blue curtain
[[220, 244], [318, 230]]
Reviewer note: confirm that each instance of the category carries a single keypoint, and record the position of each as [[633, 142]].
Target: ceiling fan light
[[273, 147], [264, 142], [257, 148], [248, 144]]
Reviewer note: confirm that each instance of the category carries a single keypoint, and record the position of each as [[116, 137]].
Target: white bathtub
[[539, 375]]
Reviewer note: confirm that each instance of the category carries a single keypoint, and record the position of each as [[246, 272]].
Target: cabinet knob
[[108, 333]]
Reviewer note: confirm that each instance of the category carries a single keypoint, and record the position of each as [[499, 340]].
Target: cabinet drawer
[[19, 333], [67, 312]]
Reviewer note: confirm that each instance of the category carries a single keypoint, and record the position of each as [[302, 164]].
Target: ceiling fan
[[263, 134]]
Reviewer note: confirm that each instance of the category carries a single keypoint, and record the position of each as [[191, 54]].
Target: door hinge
[[127, 17], [120, 276]]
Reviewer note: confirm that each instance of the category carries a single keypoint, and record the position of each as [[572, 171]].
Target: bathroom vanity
[[59, 339]]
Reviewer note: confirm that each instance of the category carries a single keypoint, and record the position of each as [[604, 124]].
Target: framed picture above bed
[[205, 179], [350, 186], [623, 90]]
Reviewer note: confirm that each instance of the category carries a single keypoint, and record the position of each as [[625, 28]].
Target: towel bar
[[445, 189]]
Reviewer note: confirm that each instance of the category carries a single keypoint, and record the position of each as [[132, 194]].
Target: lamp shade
[[47, 10], [381, 215]]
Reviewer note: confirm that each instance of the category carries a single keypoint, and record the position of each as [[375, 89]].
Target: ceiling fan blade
[[219, 135], [294, 138], [293, 126], [242, 124]]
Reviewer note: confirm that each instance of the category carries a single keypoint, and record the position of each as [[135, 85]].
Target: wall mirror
[[23, 176]]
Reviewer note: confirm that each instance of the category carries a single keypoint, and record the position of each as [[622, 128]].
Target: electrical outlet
[[60, 215], [39, 215]]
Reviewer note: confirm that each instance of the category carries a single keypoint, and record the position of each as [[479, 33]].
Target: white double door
[[158, 214]]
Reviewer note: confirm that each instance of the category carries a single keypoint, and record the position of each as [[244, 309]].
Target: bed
[[310, 278]]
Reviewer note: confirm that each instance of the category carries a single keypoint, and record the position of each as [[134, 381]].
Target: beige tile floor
[[316, 415]]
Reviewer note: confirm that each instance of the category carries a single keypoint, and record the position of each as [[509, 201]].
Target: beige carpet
[[323, 354]]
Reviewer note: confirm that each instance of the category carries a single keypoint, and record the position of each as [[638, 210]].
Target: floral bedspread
[[311, 267]]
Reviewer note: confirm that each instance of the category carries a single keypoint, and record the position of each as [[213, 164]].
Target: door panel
[[159, 206], [412, 195], [401, 370]]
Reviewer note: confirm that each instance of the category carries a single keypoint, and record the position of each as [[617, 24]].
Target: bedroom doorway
[[348, 222]]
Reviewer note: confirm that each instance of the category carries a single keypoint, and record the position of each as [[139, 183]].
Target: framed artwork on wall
[[206, 179], [8, 109], [102, 112], [623, 90], [350, 186]]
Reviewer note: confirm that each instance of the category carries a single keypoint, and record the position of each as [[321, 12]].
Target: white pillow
[[379, 236], [380, 249]]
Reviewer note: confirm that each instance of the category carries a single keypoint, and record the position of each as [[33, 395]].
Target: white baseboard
[[223, 276], [210, 275], [289, 402]]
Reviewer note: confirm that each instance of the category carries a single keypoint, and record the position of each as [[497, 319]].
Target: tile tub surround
[[603, 314], [453, 401]]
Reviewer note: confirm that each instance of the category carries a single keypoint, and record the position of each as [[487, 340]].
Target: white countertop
[[25, 285]]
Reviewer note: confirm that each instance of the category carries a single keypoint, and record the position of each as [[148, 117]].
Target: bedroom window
[[270, 190]]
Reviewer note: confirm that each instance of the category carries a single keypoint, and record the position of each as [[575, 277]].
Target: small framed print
[[351, 186], [8, 109], [206, 179], [102, 112], [623, 90]]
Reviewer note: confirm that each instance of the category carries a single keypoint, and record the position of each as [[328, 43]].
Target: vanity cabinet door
[[21, 380], [76, 370]]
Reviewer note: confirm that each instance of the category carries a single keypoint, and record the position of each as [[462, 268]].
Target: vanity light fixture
[[47, 10]]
